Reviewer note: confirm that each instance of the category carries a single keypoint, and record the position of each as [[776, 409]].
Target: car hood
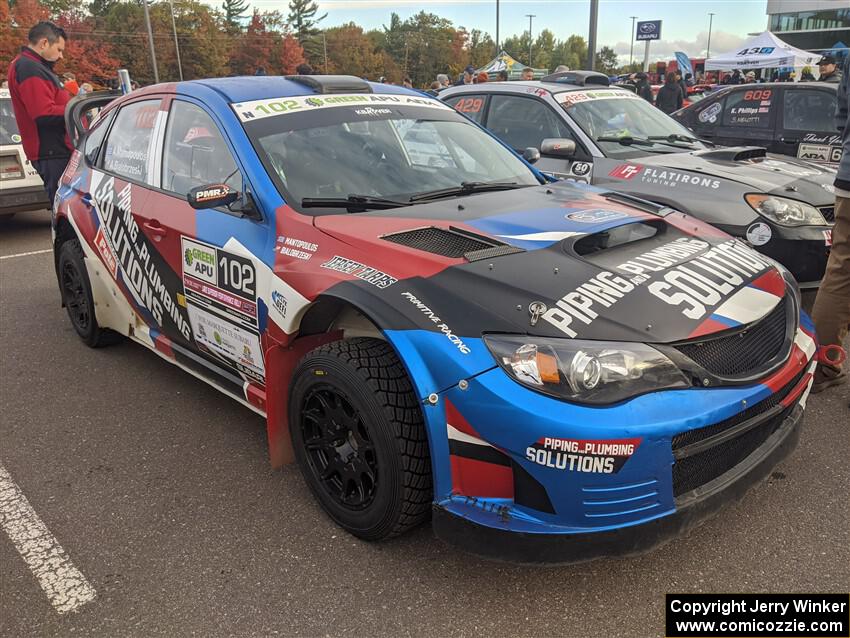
[[752, 167], [594, 266]]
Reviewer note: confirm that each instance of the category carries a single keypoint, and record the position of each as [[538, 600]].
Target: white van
[[21, 188]]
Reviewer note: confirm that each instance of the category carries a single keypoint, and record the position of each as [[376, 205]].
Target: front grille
[[744, 352], [698, 469], [440, 241], [693, 471], [828, 213]]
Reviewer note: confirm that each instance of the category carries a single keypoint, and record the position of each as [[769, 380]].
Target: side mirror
[[531, 155], [558, 146], [211, 196]]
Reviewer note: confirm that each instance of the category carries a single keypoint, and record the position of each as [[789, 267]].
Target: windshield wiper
[[628, 140], [353, 203], [466, 188], [674, 137]]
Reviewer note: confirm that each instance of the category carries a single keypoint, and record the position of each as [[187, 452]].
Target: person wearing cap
[[527, 73], [831, 311], [829, 70], [468, 76], [643, 88], [750, 77]]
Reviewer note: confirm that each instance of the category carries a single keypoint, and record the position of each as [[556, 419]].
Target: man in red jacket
[[39, 100]]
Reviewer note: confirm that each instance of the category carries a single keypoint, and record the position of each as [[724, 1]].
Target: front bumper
[[21, 199], [495, 541]]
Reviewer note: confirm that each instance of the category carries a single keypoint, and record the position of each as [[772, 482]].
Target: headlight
[[784, 211], [597, 372]]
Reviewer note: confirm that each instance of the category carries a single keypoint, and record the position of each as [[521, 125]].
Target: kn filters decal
[[221, 298]]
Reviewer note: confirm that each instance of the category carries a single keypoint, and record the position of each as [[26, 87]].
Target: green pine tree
[[302, 18], [233, 10]]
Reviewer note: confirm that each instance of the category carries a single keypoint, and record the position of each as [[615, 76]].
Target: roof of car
[[530, 85], [263, 87]]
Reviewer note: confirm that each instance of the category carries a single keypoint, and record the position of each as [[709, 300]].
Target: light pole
[[530, 17], [591, 36], [632, 44], [708, 48], [498, 50], [150, 41], [176, 46], [325, 47]]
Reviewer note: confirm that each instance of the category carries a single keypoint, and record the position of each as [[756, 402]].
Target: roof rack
[[332, 83], [579, 78]]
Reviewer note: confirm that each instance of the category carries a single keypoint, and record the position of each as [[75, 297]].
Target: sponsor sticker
[[580, 169], [582, 455], [368, 274], [813, 152], [595, 216], [571, 98], [625, 171], [106, 252], [710, 114], [827, 237], [199, 261], [279, 303], [369, 110], [441, 325], [258, 109], [239, 347], [759, 234], [16, 139]]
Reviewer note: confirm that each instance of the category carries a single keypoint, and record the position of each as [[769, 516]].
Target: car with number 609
[[429, 326]]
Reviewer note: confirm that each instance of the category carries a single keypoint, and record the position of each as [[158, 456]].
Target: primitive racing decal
[[456, 341], [582, 455], [148, 277]]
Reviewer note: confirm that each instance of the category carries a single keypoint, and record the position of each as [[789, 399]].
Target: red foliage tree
[[290, 54], [88, 56], [253, 48]]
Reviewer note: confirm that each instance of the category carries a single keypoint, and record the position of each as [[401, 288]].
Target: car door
[[807, 126], [748, 117], [217, 277], [525, 121], [703, 118]]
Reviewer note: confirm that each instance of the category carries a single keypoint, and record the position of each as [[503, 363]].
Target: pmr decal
[[213, 192], [710, 114], [595, 216], [582, 455], [759, 234], [626, 171], [580, 169]]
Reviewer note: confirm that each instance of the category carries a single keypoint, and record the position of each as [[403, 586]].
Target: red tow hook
[[823, 355]]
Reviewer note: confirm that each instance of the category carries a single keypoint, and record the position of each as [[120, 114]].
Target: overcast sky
[[684, 27]]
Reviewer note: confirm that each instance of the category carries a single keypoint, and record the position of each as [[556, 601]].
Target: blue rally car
[[549, 371]]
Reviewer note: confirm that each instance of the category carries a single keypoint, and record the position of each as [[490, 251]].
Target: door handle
[[154, 228], [789, 140]]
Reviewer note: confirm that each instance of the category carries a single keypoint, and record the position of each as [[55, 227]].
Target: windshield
[[8, 127], [613, 115], [379, 146]]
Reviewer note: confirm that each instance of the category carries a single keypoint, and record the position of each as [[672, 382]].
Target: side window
[[750, 108], [195, 153], [524, 121], [95, 139], [128, 146], [809, 110], [470, 105]]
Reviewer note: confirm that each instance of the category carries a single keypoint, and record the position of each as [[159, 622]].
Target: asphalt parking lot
[[159, 490]]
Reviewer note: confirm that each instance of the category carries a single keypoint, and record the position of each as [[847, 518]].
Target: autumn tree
[[351, 52], [253, 49], [288, 55], [89, 57], [10, 42]]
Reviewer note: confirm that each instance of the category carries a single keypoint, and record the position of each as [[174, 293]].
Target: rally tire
[[352, 412], [77, 296]]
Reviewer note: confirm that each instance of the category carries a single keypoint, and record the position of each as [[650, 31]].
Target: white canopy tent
[[763, 51]]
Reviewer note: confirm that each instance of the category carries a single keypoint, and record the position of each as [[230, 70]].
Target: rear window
[[8, 127]]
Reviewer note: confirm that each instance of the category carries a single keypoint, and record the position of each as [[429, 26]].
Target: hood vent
[[452, 242], [738, 154]]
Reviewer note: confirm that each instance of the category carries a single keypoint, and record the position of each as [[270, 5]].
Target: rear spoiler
[[78, 112]]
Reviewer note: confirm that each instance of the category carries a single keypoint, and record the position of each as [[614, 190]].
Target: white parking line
[[33, 252], [63, 583]]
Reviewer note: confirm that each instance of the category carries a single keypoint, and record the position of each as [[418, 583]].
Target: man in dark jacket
[[829, 70], [39, 100], [642, 87], [831, 312], [669, 96]]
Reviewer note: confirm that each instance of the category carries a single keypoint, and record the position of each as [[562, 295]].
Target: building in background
[[813, 25]]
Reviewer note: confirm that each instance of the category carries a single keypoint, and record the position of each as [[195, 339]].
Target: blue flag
[[684, 64]]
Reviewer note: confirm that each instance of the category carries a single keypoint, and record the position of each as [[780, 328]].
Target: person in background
[[689, 79], [502, 76], [483, 77], [443, 79], [39, 100], [807, 75], [642, 87], [304, 69], [69, 83], [407, 83], [527, 73], [735, 78], [750, 77], [561, 68], [669, 96], [261, 70], [829, 70], [682, 86], [435, 88], [831, 312], [467, 77], [4, 84], [85, 87]]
